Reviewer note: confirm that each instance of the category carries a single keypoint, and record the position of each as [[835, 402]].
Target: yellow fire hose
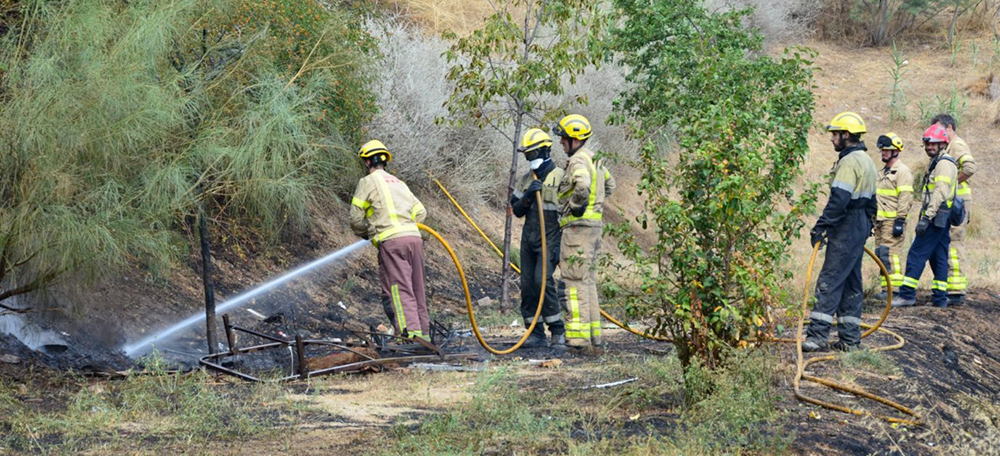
[[802, 364], [541, 295], [465, 284]]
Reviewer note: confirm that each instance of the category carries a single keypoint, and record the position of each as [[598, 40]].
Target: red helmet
[[935, 134]]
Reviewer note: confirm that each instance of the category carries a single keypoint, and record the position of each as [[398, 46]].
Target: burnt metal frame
[[411, 352]]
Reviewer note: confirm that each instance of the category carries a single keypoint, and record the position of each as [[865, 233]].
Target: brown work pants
[[883, 236], [578, 290], [401, 272]]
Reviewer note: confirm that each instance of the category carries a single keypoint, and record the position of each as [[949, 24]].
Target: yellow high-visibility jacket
[[384, 208], [894, 192], [584, 185], [939, 187], [959, 150]]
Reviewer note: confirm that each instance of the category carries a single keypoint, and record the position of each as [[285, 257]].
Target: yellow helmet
[[534, 139], [849, 122], [374, 148], [573, 126], [890, 141]]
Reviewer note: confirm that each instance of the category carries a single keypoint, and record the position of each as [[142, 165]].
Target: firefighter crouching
[[582, 192], [384, 211], [543, 178], [931, 242], [845, 224], [894, 194]]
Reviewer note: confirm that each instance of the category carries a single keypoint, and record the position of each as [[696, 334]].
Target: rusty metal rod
[[300, 355], [230, 337], [262, 336]]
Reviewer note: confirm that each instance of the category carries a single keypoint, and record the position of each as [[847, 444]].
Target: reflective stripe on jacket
[[894, 192], [852, 188], [383, 208], [939, 186], [550, 188], [585, 184]]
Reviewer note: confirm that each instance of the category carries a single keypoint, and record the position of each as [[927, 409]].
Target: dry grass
[[436, 16], [855, 79]]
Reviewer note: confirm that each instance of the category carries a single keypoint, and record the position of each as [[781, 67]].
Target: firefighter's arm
[[360, 209], [840, 195], [418, 213], [968, 165], [944, 179], [609, 182], [580, 178], [904, 185]]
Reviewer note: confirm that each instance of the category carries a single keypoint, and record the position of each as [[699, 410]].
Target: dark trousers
[[839, 286], [531, 282], [932, 246]]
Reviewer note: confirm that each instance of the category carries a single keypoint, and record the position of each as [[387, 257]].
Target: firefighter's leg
[[388, 305], [573, 264], [418, 284], [895, 266], [881, 239], [531, 277], [849, 312], [551, 310], [595, 302], [841, 256], [920, 251], [939, 265], [958, 282], [396, 258]]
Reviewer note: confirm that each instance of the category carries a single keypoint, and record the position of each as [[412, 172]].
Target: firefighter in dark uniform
[[543, 178], [845, 225]]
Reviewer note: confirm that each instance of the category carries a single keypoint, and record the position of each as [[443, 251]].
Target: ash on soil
[[75, 355], [949, 359]]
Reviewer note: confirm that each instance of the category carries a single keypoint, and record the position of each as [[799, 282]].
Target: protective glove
[[517, 206], [897, 227], [578, 212], [529, 193], [922, 226], [817, 235]]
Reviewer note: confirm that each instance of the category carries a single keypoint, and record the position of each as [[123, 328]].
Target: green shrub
[[121, 119], [725, 208]]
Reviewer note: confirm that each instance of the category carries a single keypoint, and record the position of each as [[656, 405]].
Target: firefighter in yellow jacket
[[386, 212], [894, 194], [958, 149], [584, 187], [931, 242]]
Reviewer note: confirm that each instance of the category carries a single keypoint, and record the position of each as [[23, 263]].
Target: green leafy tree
[[505, 72], [723, 209], [120, 120]]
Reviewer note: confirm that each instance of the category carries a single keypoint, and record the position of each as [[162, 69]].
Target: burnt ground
[[949, 366]]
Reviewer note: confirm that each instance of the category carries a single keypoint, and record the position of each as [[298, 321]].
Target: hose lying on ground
[[465, 284], [801, 364], [497, 250]]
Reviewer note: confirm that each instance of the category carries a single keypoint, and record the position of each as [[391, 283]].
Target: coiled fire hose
[[801, 364], [544, 273]]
